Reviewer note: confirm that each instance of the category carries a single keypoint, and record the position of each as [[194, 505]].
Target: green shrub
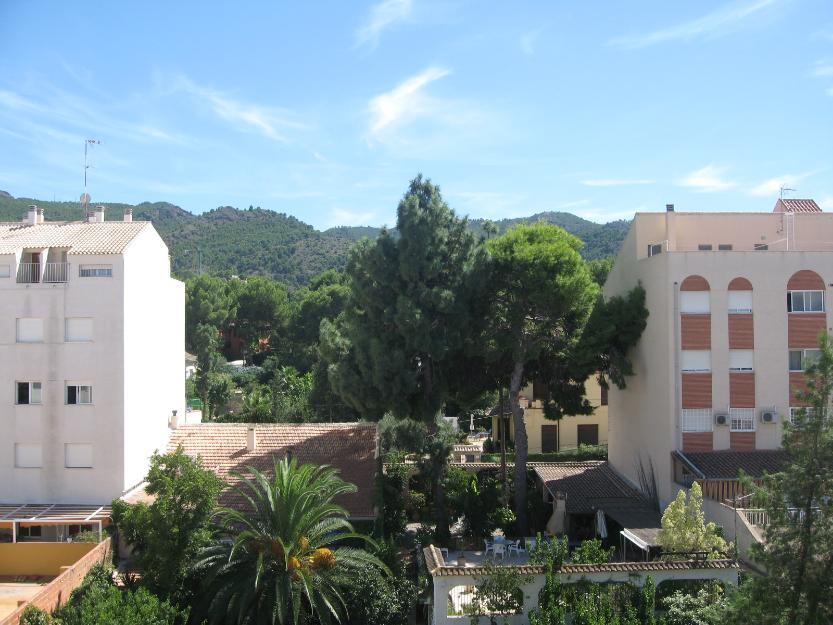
[[373, 598], [35, 616]]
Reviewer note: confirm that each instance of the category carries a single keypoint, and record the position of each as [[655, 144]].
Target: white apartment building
[[91, 343], [736, 303]]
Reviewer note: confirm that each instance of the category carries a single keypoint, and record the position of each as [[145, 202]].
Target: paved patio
[[478, 558]]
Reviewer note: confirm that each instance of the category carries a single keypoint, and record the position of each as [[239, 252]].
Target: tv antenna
[[87, 143], [785, 188]]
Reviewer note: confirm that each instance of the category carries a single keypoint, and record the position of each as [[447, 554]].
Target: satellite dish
[[85, 198]]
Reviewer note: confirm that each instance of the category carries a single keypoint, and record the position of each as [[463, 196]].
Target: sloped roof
[[725, 465], [589, 486], [80, 237], [349, 447], [796, 206]]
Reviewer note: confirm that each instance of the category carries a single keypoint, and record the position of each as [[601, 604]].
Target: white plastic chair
[[489, 547], [499, 550], [531, 542], [516, 547]]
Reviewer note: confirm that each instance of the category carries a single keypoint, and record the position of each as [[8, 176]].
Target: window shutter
[[29, 330]]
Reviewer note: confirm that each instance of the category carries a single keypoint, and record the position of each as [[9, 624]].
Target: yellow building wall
[[43, 559], [567, 426]]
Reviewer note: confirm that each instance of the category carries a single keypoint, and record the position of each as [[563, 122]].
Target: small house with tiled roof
[[230, 449]]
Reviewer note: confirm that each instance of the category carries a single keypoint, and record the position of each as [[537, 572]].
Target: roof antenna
[[785, 188], [88, 142]]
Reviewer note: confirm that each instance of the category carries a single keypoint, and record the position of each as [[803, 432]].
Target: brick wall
[[55, 593]]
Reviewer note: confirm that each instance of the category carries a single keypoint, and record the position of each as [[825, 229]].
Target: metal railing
[[759, 517], [30, 273], [56, 272]]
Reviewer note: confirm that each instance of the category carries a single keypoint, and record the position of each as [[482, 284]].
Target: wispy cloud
[[822, 69], [403, 103], [718, 22], [382, 16], [709, 179], [345, 217], [269, 122], [830, 92], [528, 41], [615, 182], [773, 185]]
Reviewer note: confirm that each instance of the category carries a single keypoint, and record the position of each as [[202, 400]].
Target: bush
[[87, 536], [394, 495], [373, 598], [35, 616], [504, 518], [584, 452]]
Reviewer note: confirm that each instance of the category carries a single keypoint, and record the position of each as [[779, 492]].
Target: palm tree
[[284, 559]]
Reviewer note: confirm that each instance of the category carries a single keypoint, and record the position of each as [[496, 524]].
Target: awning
[[55, 514]]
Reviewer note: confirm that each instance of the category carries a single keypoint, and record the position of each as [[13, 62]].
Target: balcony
[[53, 273]]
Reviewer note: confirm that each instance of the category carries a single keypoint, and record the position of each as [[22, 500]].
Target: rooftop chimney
[[251, 439], [31, 215], [669, 208], [128, 214], [99, 214], [40, 214]]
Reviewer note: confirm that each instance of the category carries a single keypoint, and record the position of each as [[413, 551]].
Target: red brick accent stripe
[[695, 331], [803, 329], [742, 390], [740, 284], [695, 283], [698, 441], [742, 441], [798, 382], [741, 331], [697, 390], [805, 280]]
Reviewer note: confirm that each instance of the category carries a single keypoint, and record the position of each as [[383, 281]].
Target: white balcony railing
[[30, 273]]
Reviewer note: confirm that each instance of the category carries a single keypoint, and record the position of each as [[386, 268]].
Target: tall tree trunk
[[521, 447], [440, 512]]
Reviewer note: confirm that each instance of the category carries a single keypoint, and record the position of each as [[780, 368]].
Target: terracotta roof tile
[[796, 206], [724, 465], [349, 447], [589, 486], [109, 237]]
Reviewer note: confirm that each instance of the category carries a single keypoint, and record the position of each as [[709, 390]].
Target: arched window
[[805, 292], [694, 295]]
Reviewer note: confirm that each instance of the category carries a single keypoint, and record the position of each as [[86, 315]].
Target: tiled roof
[[725, 465], [109, 237], [435, 563], [349, 447], [460, 447], [589, 486], [796, 206]]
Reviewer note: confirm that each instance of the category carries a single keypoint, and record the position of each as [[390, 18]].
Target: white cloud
[[822, 69], [345, 217], [717, 22], [773, 186], [403, 103], [382, 16], [709, 179], [830, 92], [528, 41], [270, 122], [615, 182]]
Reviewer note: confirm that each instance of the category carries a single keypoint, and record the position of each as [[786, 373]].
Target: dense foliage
[[684, 528], [255, 241], [166, 534]]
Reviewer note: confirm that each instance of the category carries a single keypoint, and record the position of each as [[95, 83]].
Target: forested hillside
[[257, 241]]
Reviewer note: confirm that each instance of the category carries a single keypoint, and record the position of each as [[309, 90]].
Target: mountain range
[[256, 241]]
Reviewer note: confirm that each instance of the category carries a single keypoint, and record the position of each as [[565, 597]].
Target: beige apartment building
[[568, 432], [736, 304]]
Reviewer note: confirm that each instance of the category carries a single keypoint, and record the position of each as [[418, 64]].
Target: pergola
[[54, 514]]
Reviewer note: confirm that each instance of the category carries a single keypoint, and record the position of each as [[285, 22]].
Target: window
[[28, 455], [29, 531], [695, 361], [29, 393], [587, 434], [5, 271], [79, 394], [697, 420], [705, 247], [603, 399], [78, 329], [800, 359], [78, 456], [725, 247], [29, 330], [805, 301], [694, 302], [740, 302], [761, 247], [742, 419], [95, 271], [654, 249], [794, 410], [740, 360]]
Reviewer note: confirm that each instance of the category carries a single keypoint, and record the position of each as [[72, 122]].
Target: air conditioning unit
[[769, 415], [721, 418]]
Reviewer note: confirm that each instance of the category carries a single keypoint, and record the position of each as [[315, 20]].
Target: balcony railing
[[30, 273], [760, 517]]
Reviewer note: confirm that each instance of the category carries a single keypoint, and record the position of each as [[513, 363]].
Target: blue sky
[[325, 110]]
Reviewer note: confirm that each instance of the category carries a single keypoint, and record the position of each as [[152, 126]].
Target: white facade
[[650, 418], [91, 343]]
